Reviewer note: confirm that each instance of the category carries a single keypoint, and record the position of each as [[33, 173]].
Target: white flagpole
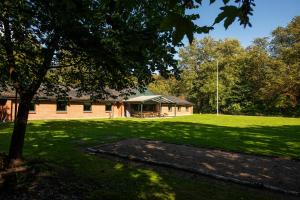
[[217, 87]]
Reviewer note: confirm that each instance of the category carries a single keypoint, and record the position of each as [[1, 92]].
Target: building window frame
[[62, 103], [108, 107], [170, 108], [179, 108], [32, 107], [87, 107], [187, 108]]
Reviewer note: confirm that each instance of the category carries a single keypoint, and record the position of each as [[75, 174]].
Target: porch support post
[[113, 109], [1, 113], [16, 104], [160, 107], [142, 110], [175, 109], [124, 108], [11, 110]]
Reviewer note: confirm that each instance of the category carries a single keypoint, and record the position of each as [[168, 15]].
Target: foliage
[[163, 86], [285, 48], [260, 79], [199, 64], [240, 9]]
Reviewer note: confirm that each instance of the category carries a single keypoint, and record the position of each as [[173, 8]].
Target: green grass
[[62, 142]]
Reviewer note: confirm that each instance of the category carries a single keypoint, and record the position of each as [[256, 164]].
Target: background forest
[[261, 79]]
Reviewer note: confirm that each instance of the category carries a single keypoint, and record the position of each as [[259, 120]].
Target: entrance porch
[[148, 106]]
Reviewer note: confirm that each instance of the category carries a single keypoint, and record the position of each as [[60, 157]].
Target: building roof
[[179, 101], [137, 93], [111, 96], [139, 97], [7, 94], [142, 98], [149, 98]]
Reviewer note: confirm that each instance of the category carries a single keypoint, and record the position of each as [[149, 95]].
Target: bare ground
[[44, 181], [280, 174]]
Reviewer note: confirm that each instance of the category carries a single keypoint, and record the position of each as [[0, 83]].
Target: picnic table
[[148, 114]]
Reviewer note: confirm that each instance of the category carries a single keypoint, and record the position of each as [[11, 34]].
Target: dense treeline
[[263, 78]]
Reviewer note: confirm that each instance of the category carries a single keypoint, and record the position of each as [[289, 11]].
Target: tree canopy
[[260, 79]]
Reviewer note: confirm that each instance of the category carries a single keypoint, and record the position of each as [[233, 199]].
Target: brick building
[[75, 107]]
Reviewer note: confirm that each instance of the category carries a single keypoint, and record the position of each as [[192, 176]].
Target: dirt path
[[274, 173]]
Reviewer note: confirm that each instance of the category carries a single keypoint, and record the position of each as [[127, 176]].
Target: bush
[[235, 108]]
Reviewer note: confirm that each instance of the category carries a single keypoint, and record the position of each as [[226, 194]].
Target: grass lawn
[[61, 142]]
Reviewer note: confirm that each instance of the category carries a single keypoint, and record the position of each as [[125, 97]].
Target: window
[[32, 107], [136, 107], [61, 106], [149, 107], [170, 108], [87, 107], [3, 102], [179, 108], [187, 109], [108, 108]]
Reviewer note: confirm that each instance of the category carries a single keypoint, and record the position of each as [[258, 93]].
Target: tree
[[254, 69], [199, 62], [164, 86], [92, 45], [285, 50], [260, 79]]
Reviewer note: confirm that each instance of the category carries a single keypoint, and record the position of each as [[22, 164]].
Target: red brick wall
[[47, 110], [10, 109], [183, 111], [5, 112]]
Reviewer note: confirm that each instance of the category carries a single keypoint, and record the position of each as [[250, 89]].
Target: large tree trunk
[[17, 139]]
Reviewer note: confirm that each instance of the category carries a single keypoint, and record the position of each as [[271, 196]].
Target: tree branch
[[48, 56], [8, 45]]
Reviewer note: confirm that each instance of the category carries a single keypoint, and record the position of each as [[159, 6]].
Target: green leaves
[[204, 29], [225, 1], [180, 25], [199, 1], [211, 1], [229, 13]]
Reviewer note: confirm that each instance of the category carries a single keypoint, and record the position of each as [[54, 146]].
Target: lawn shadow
[[266, 140], [60, 142]]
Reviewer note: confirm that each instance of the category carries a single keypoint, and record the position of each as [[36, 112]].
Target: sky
[[267, 15]]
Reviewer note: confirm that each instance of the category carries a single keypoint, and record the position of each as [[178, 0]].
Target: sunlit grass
[[62, 142]]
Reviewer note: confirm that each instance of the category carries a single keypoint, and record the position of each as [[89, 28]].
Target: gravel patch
[[280, 174]]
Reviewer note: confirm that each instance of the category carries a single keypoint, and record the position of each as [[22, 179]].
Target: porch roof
[[154, 98]]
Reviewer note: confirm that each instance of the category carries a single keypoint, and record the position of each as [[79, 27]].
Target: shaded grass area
[[61, 142]]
